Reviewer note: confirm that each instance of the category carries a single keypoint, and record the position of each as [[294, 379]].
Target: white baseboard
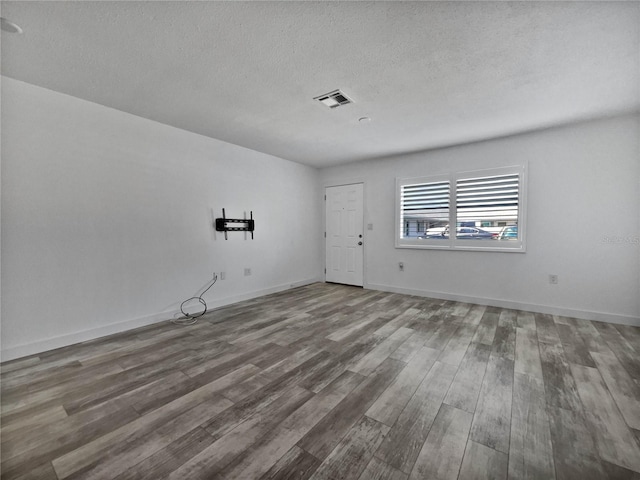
[[32, 348], [529, 307], [40, 346], [260, 293], [11, 353]]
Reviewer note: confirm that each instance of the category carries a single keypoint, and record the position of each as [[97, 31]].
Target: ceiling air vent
[[334, 99]]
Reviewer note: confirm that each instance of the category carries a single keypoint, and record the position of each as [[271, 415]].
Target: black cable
[[191, 318]]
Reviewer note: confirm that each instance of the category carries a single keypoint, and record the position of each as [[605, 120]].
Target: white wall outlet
[[401, 266], [369, 226], [553, 279], [222, 275], [247, 272]]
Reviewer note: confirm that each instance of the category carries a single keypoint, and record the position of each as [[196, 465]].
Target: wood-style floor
[[332, 382]]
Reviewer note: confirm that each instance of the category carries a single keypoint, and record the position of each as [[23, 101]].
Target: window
[[486, 207], [425, 204]]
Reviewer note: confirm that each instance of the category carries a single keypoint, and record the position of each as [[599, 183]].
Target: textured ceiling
[[429, 74]]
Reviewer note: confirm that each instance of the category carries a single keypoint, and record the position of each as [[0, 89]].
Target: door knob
[[359, 243]]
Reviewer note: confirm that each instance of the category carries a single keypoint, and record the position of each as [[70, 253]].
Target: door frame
[[351, 181]]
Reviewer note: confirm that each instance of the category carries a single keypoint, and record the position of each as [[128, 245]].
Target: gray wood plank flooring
[[332, 382]]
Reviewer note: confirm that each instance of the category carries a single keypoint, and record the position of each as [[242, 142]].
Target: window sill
[[478, 247]]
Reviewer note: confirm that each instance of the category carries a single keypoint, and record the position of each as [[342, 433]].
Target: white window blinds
[[423, 206], [488, 199]]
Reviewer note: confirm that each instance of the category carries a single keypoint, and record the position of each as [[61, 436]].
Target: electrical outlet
[[401, 266], [222, 275], [247, 272], [553, 279]]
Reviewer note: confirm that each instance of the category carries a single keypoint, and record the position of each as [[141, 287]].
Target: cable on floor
[[191, 318]]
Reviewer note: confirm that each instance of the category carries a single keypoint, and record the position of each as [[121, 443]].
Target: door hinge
[[325, 234], [325, 198], [325, 271]]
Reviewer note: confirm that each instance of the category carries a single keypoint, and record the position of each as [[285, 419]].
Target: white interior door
[[344, 234]]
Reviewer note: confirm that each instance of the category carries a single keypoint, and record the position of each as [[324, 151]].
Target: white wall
[[107, 220], [584, 184]]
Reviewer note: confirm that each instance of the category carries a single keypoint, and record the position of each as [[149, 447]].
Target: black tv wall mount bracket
[[225, 224]]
